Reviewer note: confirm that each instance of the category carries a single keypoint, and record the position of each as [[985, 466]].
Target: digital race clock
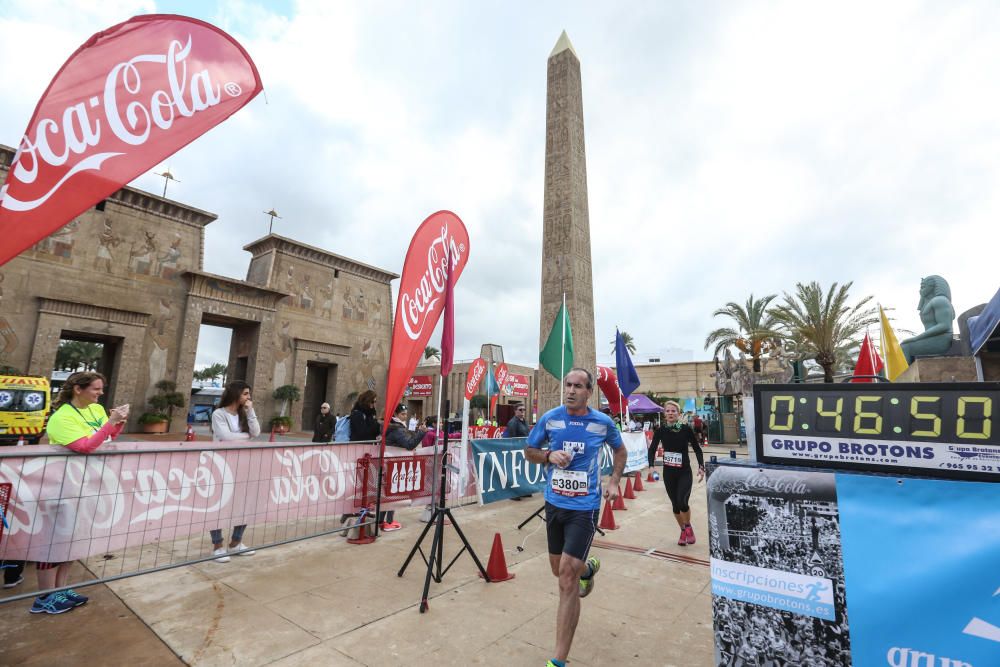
[[941, 430]]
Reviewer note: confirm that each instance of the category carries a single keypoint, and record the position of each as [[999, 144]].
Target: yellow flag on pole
[[892, 353]]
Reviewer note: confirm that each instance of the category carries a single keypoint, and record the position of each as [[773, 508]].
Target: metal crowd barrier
[[131, 508]]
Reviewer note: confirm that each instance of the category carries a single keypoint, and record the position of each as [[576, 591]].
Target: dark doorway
[[80, 351], [320, 379]]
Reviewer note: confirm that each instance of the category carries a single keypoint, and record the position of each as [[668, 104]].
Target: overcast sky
[[731, 147]]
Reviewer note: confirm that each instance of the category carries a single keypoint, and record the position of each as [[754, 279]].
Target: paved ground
[[323, 601]]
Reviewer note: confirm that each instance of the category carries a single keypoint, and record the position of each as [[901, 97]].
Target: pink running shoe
[[690, 534], [683, 539]]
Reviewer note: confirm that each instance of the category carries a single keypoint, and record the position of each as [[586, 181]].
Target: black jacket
[[323, 429], [364, 425], [398, 435], [516, 428]]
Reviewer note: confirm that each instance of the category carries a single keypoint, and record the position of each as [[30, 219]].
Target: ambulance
[[24, 406]]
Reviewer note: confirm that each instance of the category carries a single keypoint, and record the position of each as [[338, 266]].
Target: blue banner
[[502, 471], [922, 566]]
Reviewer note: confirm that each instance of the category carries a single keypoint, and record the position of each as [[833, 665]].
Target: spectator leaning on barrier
[[325, 423], [517, 427], [79, 423], [364, 424], [398, 435], [234, 420]]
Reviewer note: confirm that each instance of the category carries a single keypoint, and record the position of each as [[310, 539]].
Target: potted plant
[[286, 393], [162, 404], [281, 424]]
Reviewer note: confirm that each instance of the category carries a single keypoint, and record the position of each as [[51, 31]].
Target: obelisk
[[566, 219]]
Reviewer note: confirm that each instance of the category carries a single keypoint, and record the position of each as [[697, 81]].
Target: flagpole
[[562, 354]]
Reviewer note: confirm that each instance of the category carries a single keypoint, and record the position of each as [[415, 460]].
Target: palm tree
[[754, 329], [431, 352], [629, 342], [826, 327]]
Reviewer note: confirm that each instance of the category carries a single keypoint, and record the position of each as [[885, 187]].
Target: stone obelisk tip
[[562, 45]]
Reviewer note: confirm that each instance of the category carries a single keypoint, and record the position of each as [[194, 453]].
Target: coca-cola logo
[[125, 109], [421, 303], [476, 372]]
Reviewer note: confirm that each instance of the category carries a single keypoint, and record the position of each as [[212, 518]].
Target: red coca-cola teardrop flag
[[422, 296], [477, 371], [501, 378], [608, 383], [127, 99]]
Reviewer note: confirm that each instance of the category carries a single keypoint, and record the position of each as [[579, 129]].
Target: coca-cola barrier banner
[[127, 99], [419, 386], [72, 507], [422, 296], [477, 371]]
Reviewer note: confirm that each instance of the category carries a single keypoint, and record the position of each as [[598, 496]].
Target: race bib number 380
[[570, 483]]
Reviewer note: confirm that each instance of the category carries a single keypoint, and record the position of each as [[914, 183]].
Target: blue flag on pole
[[491, 382], [628, 378]]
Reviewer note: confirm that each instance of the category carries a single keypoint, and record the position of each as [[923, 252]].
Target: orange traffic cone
[[189, 434], [638, 483], [608, 517], [496, 569], [619, 503], [649, 476], [628, 489]]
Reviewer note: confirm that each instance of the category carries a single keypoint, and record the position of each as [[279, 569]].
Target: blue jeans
[[237, 534]]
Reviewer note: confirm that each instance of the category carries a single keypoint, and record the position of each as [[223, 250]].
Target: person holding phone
[[233, 420], [79, 423]]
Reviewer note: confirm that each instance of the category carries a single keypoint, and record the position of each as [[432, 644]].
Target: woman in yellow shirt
[[79, 423]]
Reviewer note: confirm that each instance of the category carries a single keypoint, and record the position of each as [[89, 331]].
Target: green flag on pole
[[557, 355]]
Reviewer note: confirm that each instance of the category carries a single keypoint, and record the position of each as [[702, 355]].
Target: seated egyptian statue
[[937, 315]]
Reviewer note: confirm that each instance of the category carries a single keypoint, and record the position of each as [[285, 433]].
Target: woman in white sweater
[[233, 420]]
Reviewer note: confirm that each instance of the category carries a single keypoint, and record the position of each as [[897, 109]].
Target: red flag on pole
[[501, 378], [477, 371], [421, 297], [607, 381], [128, 98], [869, 363], [448, 332]]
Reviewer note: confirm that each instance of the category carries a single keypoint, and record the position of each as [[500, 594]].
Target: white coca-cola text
[[126, 108], [418, 305]]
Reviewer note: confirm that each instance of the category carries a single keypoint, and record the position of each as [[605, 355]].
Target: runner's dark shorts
[[570, 531]]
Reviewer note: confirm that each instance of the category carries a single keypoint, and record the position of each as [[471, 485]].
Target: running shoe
[[683, 539], [389, 527], [587, 585], [74, 597], [221, 555], [243, 550], [14, 583], [54, 603], [690, 534]]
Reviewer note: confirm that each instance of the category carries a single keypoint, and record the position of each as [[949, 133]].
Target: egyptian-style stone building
[[128, 274]]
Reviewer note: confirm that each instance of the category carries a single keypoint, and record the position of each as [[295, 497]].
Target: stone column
[[566, 265]]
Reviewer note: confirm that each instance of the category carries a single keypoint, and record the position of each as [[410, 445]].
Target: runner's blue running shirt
[[578, 486]]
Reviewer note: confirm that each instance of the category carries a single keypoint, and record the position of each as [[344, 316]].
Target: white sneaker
[[240, 548], [221, 553]]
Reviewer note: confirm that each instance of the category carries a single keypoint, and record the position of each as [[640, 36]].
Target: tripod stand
[[441, 512]]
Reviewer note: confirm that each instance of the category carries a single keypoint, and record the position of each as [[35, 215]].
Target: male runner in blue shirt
[[575, 435]]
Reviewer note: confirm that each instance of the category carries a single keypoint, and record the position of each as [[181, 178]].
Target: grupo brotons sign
[[938, 430]]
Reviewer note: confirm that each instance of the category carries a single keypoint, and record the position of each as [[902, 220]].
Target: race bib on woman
[[673, 459]]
